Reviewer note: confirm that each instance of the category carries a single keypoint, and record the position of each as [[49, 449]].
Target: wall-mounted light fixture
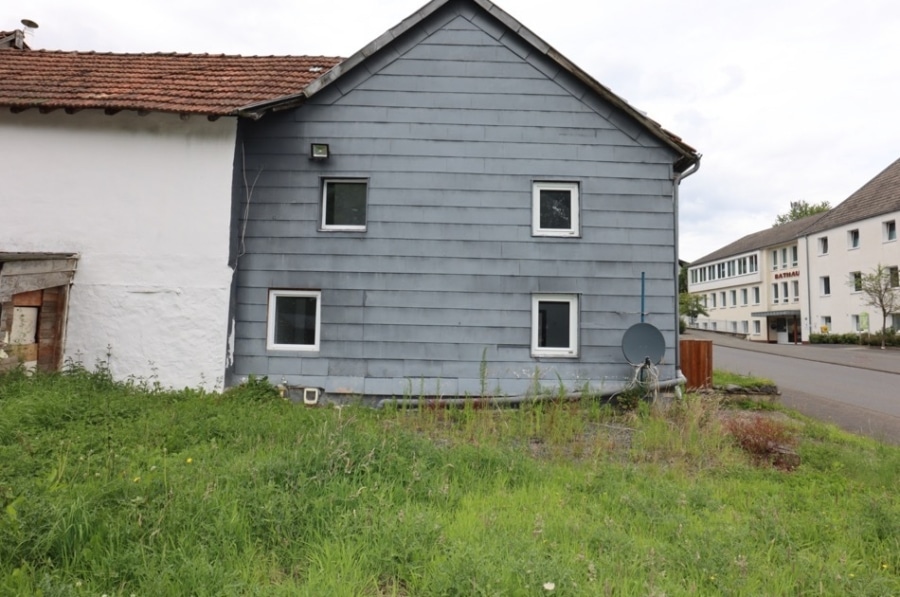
[[318, 151]]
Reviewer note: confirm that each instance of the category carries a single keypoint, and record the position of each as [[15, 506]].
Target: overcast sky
[[785, 99]]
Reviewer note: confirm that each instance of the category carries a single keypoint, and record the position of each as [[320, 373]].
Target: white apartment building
[[851, 240], [783, 283]]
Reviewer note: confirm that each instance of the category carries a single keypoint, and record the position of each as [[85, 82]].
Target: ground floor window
[[756, 328], [554, 325], [294, 320], [826, 324]]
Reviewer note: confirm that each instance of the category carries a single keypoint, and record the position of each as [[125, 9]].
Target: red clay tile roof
[[215, 85]]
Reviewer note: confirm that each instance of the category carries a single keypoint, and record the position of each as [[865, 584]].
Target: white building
[[850, 240], [785, 282], [116, 221]]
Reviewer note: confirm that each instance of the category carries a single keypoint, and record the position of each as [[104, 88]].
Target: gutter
[[678, 178]]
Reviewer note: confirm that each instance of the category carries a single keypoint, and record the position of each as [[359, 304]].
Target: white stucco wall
[[145, 202]]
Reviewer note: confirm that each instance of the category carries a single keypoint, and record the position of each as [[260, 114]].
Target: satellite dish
[[643, 341], [29, 23]]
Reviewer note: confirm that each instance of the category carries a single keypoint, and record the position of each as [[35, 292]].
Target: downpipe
[[680, 378]]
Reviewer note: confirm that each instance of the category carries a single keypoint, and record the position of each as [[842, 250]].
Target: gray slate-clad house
[[457, 207]]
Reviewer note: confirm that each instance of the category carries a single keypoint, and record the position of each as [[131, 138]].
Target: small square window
[[853, 239], [294, 320], [344, 204], [890, 231], [554, 325], [555, 209]]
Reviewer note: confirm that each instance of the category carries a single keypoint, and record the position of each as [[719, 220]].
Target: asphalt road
[[856, 388]]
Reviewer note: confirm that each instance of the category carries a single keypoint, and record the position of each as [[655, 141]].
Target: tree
[[881, 289], [691, 305], [799, 210]]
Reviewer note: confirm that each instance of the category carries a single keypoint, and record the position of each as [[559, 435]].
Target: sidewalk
[[861, 357]]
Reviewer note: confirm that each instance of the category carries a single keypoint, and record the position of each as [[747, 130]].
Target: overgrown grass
[[118, 489], [726, 378]]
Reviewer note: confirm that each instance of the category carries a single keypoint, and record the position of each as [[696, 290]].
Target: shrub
[[763, 438]]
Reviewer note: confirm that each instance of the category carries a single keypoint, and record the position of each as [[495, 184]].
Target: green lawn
[[116, 489]]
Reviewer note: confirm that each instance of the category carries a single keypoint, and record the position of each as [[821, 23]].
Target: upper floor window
[[754, 265], [554, 210], [825, 285], [344, 204], [775, 259], [734, 298], [853, 239], [775, 292], [856, 280], [756, 295], [794, 259], [823, 245], [795, 287], [784, 259], [894, 276], [889, 230], [743, 296]]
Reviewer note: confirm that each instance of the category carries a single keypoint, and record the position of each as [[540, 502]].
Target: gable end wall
[[451, 130]]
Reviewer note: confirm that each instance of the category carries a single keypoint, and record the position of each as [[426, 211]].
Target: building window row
[[726, 269], [789, 257], [720, 300], [788, 293], [555, 207], [294, 322]]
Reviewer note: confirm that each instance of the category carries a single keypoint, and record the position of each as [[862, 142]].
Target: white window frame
[[274, 295], [889, 230], [324, 207], [575, 229], [823, 245], [856, 281], [570, 351], [853, 239], [757, 329], [795, 290], [825, 285]]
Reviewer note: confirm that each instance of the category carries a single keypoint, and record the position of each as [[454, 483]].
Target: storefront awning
[[782, 313]]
